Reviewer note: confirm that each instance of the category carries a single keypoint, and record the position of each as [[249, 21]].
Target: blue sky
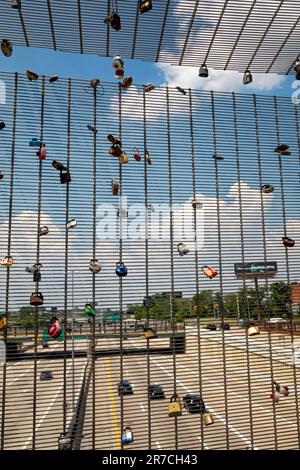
[[79, 66]]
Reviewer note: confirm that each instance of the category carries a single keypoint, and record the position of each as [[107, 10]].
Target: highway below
[[215, 364]]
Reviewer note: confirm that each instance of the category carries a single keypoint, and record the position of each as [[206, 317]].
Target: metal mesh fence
[[188, 194]]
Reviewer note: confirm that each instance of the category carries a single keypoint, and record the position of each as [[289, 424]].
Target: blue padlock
[[34, 142], [121, 270]]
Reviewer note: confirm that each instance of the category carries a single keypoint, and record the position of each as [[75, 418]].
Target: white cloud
[[218, 80]]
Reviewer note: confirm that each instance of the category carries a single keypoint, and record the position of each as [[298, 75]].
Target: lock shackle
[[174, 398]]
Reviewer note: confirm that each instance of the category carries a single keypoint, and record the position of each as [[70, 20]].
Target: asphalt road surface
[[220, 366]]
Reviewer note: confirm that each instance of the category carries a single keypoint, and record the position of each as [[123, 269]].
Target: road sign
[[255, 270]]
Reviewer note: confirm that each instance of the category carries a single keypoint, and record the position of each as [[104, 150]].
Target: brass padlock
[[7, 261], [175, 408], [196, 309], [208, 418], [3, 322], [123, 158], [149, 333]]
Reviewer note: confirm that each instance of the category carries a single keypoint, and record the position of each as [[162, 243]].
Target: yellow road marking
[[113, 406]]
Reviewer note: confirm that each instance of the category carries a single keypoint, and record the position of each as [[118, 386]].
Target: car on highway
[[211, 327], [155, 391], [46, 375], [193, 403], [125, 388]]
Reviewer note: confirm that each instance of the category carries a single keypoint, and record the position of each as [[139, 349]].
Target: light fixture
[[247, 77], [16, 4], [145, 5], [203, 71], [6, 47], [32, 76], [114, 20], [297, 69], [181, 90]]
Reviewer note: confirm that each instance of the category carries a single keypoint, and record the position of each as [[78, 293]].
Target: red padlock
[[55, 328], [275, 397], [136, 154], [42, 152], [209, 271]]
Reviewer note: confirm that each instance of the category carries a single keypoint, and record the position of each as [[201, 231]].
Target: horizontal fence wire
[[229, 35], [215, 206]]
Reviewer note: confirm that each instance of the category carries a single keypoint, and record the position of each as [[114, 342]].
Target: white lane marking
[[158, 445], [142, 407], [232, 428]]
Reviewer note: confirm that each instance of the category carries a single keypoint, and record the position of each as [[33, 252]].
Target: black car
[[193, 403], [125, 388], [225, 326], [156, 391], [211, 327], [46, 375]]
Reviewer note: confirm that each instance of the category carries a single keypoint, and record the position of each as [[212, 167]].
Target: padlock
[[64, 441], [148, 159], [43, 230], [267, 188], [275, 396], [72, 223], [95, 266], [114, 20], [94, 83], [54, 330], [118, 62], [58, 165], [127, 82], [145, 5], [203, 71], [3, 321], [35, 143], [288, 242], [114, 140], [88, 310], [282, 149], [2, 174], [208, 418], [7, 261], [247, 79], [53, 79], [252, 330], [127, 435], [36, 299], [42, 152], [182, 249], [181, 90], [209, 271], [92, 129], [32, 76], [149, 333], [119, 74], [282, 389], [196, 309], [6, 47], [2, 125], [175, 408], [65, 177], [115, 187], [297, 69], [115, 150], [37, 277], [148, 87], [282, 288], [121, 269], [148, 301], [218, 157], [136, 154], [123, 158]]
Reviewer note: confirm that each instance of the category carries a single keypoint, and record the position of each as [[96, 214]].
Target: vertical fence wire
[[262, 205], [214, 129], [194, 186], [172, 309], [10, 210]]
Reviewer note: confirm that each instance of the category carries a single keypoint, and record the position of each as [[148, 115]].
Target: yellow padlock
[[208, 418], [175, 408], [3, 322], [149, 333], [253, 330], [123, 158]]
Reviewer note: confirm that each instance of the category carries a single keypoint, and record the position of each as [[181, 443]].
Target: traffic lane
[[18, 414]]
